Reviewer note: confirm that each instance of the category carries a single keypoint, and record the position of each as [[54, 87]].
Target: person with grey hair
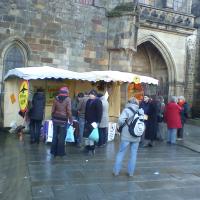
[[173, 119], [127, 139], [184, 115]]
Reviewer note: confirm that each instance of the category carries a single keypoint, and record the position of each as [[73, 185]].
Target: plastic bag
[[70, 134], [94, 135]]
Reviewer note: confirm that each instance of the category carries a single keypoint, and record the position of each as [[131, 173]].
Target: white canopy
[[29, 73]]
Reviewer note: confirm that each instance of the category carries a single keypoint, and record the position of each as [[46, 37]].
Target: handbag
[[94, 135], [70, 134]]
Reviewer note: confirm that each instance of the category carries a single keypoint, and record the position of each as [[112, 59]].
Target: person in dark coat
[[160, 119], [152, 123], [36, 115], [61, 114], [184, 116], [93, 114], [82, 100], [145, 104]]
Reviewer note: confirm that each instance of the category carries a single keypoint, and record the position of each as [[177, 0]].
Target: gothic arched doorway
[[149, 61]]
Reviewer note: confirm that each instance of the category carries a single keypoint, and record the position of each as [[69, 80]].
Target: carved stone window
[[14, 58], [148, 2], [178, 4]]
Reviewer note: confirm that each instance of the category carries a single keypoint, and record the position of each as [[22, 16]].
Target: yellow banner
[[23, 95]]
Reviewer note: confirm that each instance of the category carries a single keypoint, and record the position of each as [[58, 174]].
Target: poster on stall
[[51, 92], [23, 95]]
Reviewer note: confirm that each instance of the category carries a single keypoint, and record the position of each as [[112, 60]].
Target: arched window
[[148, 2], [178, 4], [14, 57]]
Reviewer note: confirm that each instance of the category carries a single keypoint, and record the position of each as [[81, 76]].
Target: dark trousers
[[180, 131], [35, 126], [103, 136], [58, 141]]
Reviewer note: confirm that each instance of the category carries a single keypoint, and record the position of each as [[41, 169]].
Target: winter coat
[[152, 122], [36, 111], [184, 112], [93, 113], [61, 110], [81, 107], [145, 107], [172, 115], [105, 118], [126, 114]]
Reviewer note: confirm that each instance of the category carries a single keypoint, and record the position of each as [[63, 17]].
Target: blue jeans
[[120, 156], [171, 135], [81, 129]]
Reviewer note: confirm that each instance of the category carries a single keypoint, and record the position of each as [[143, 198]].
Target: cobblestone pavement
[[163, 172]]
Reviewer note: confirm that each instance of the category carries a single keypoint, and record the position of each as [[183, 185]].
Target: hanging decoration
[[135, 90]]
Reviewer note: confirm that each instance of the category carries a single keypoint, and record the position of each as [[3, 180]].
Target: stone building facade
[[150, 37], [196, 96]]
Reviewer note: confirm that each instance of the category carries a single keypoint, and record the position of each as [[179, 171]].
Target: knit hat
[[93, 92], [63, 91]]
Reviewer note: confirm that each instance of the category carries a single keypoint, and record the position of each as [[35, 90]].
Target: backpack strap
[[127, 120], [130, 118], [132, 110]]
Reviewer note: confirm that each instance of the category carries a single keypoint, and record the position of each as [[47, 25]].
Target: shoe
[[179, 139], [115, 174], [130, 175], [93, 152]]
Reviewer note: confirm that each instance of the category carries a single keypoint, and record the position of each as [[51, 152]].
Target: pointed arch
[[11, 44], [163, 49]]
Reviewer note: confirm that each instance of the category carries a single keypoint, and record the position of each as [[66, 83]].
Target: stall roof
[[32, 73]]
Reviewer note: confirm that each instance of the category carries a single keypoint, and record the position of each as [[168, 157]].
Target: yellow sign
[[23, 95], [136, 79]]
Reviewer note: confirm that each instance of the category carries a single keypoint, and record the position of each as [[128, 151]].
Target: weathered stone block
[[45, 41], [37, 47], [47, 60], [8, 18], [50, 48]]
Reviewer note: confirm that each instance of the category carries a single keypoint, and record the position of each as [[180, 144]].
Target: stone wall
[[68, 34], [196, 93]]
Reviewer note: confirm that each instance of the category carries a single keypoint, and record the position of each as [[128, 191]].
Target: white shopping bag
[[111, 131], [49, 131]]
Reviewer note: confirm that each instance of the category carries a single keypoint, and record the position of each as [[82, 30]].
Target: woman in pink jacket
[[173, 119]]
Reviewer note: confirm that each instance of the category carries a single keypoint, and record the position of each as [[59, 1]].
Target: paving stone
[[163, 172]]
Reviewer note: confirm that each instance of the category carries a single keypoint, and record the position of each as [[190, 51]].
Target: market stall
[[51, 79]]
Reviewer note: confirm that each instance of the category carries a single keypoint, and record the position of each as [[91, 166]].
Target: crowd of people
[[81, 112], [174, 114], [156, 113], [89, 110]]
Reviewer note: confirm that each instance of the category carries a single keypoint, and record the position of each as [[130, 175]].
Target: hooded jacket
[[126, 114], [61, 110], [38, 105]]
